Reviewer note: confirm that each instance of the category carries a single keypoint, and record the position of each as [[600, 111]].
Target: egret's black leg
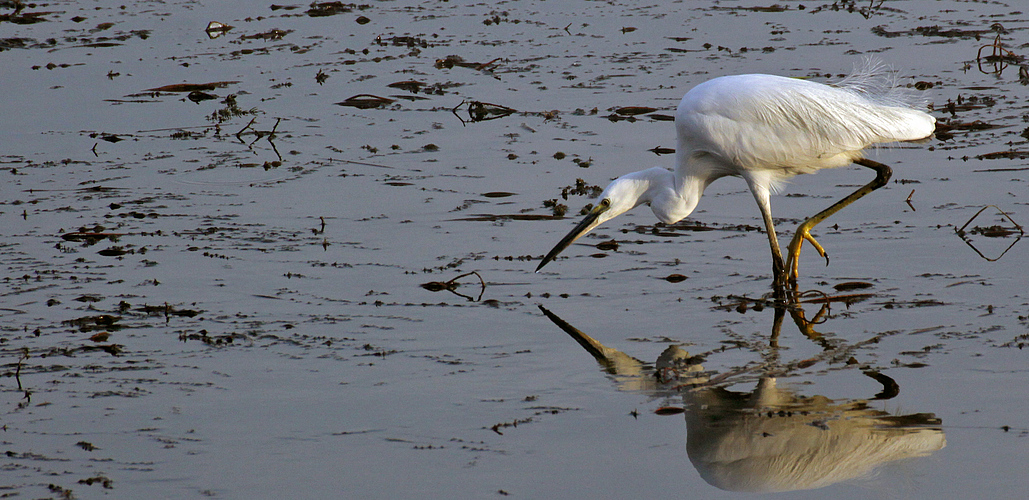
[[778, 265]]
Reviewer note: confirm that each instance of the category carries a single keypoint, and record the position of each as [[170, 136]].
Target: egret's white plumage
[[766, 129], [759, 122]]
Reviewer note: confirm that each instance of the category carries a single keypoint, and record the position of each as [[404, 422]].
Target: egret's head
[[622, 195]]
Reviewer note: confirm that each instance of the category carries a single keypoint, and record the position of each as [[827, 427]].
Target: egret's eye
[[605, 203]]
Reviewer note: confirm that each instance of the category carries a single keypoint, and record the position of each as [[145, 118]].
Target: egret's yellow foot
[[793, 262]]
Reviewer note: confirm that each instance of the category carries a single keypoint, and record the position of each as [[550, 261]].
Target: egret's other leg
[[882, 176]]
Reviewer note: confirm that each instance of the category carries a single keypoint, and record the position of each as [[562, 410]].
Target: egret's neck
[[670, 198], [692, 176]]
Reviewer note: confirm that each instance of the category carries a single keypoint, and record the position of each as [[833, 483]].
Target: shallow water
[[268, 333]]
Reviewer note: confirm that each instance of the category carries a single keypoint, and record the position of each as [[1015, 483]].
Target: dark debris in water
[[111, 138], [324, 9], [409, 85], [366, 101], [661, 229], [167, 311], [215, 340], [101, 480], [90, 323], [995, 231], [18, 17], [512, 423], [852, 285], [558, 209], [483, 111], [458, 61], [198, 96], [911, 304], [453, 284], [634, 110], [192, 87], [115, 251], [216, 29], [581, 188], [931, 31], [272, 34], [90, 238]]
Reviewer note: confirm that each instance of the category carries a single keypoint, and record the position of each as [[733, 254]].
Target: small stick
[[244, 128], [1005, 214], [486, 65], [17, 370]]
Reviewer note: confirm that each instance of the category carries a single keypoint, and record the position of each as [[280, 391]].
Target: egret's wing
[[760, 122]]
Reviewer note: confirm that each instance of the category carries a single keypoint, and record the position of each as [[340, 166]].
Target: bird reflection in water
[[771, 438]]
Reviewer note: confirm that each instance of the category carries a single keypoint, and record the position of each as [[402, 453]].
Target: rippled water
[[254, 294]]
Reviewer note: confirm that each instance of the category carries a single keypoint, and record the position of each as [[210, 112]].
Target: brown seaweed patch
[[323, 9], [18, 17], [273, 34], [412, 86], [98, 322], [212, 340], [581, 188], [90, 238], [102, 480], [167, 311], [634, 110], [191, 87], [365, 101]]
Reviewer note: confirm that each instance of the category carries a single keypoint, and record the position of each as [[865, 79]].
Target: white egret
[[766, 129]]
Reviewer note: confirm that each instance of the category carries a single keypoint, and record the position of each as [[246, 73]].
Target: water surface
[[197, 306]]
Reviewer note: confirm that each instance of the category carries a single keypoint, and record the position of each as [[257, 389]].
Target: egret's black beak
[[591, 221]]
